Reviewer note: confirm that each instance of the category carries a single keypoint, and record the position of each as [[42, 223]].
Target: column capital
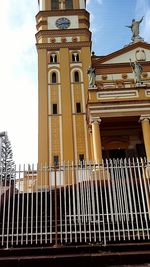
[[145, 117], [95, 121]]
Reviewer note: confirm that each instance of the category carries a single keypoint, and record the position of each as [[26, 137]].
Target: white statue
[[135, 29], [92, 76], [137, 71]]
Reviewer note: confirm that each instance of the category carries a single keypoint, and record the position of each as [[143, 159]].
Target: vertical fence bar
[[18, 205], [119, 199], [142, 194], [69, 201], [102, 204], [8, 208], [31, 219], [85, 200], [81, 191], [65, 203], [13, 205], [45, 191], [146, 196], [86, 177], [125, 208], [51, 205], [82, 199], [93, 201], [89, 200], [133, 186], [106, 198], [60, 204], [98, 209], [41, 204], [27, 202], [146, 171], [74, 202], [110, 200], [136, 172], [36, 204], [115, 198], [4, 211], [78, 202], [1, 187], [127, 167], [56, 233], [22, 216]]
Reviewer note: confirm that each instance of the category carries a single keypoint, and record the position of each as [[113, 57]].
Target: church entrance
[[117, 153]]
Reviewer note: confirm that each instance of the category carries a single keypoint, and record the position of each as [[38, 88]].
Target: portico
[[119, 129]]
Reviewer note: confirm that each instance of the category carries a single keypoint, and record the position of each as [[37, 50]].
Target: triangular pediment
[[139, 51]]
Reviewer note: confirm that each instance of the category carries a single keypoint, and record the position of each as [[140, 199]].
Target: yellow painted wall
[[43, 108], [66, 105]]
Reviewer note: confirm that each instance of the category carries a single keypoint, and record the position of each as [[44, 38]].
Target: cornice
[[56, 33], [49, 13], [54, 46], [99, 64], [84, 21], [121, 103], [121, 52], [41, 23]]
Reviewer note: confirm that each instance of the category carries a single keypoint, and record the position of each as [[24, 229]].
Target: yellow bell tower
[[64, 55]]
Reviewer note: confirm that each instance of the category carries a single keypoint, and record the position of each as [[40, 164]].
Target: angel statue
[[135, 28]]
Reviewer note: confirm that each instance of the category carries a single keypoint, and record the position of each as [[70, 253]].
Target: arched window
[[69, 4], [54, 77], [76, 76], [53, 58], [54, 4], [75, 57]]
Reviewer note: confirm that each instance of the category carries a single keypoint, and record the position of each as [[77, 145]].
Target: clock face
[[63, 23]]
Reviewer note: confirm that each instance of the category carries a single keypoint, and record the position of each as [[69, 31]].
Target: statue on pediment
[[135, 28], [92, 76], [137, 71]]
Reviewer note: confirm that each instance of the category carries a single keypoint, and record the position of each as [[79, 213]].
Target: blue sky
[[18, 69], [108, 20]]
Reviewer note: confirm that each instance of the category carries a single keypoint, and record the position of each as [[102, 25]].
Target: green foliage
[[7, 166]]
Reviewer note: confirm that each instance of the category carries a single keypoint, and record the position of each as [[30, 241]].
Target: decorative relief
[[64, 40], [53, 40], [124, 76], [147, 92], [119, 84], [117, 94], [140, 55], [74, 39], [104, 77], [144, 74]]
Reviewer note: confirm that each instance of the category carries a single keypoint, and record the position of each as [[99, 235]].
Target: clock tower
[[63, 45]]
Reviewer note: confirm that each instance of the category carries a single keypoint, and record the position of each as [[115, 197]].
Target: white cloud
[[88, 1], [143, 9], [146, 29], [18, 90], [98, 1]]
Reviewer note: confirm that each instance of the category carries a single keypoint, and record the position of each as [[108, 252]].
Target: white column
[[145, 119], [41, 5], [97, 147], [82, 4]]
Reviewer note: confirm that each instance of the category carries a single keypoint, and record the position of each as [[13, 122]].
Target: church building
[[90, 107]]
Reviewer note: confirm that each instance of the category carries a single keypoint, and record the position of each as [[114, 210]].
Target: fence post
[[56, 233]]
